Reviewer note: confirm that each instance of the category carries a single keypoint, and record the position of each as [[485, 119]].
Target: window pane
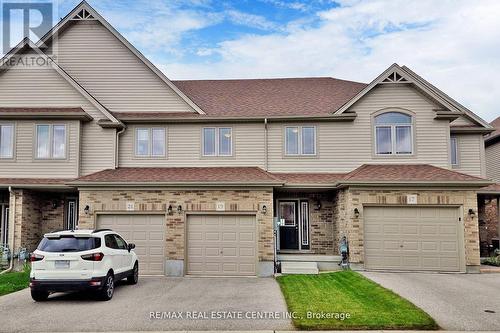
[[42, 139], [209, 141], [142, 142], [292, 140], [158, 135], [308, 140], [454, 151], [59, 141], [384, 145], [393, 118], [403, 139], [225, 138], [6, 141]]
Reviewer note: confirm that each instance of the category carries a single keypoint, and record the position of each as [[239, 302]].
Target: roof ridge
[[271, 79]]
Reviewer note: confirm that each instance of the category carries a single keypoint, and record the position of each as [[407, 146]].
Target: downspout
[[265, 145], [11, 265], [117, 146]]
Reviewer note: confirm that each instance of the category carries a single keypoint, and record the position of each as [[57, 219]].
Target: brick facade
[[489, 220], [349, 199], [236, 200]]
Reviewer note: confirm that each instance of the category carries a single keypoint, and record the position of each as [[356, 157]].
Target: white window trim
[[393, 137], [150, 142], [13, 147], [300, 139], [51, 142], [455, 165], [217, 134]]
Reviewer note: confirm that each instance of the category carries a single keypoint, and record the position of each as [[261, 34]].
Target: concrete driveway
[[131, 307], [455, 301]]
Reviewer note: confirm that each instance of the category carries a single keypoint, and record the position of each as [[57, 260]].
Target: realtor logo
[[24, 19]]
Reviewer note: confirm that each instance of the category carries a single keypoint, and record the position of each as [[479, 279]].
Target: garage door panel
[[147, 232], [223, 245], [414, 238]]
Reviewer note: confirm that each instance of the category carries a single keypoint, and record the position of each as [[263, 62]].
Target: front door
[[289, 226], [71, 214]]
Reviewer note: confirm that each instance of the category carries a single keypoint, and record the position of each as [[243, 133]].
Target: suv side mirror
[[131, 246]]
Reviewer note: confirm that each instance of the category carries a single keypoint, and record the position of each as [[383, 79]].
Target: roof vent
[[395, 77], [83, 15]]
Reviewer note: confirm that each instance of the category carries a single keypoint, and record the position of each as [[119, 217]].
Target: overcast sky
[[453, 44]]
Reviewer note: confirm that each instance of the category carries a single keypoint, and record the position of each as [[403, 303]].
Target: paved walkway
[[456, 301]]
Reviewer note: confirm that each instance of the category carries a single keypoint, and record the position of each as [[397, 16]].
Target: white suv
[[76, 260]]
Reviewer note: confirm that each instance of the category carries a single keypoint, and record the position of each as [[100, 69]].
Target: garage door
[[412, 238], [221, 245], [147, 232]]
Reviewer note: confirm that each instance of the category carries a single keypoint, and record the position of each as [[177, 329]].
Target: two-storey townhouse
[[489, 197], [230, 177]]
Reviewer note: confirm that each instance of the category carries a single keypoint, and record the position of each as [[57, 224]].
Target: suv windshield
[[69, 244]]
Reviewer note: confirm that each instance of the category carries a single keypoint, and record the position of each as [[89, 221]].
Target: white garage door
[[412, 238], [147, 232], [221, 245]]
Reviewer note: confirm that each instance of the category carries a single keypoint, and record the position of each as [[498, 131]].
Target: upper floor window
[[300, 140], [393, 134], [6, 141], [150, 142], [51, 141], [454, 150], [217, 141]]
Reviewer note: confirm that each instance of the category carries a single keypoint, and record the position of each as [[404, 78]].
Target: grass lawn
[[14, 281], [369, 305]]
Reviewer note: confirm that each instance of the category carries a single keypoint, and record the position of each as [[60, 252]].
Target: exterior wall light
[[318, 205], [86, 210], [356, 212], [169, 210], [54, 204], [264, 209], [471, 213], [179, 209]]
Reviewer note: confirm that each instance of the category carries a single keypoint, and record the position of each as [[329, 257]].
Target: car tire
[[39, 296], [108, 289], [134, 277]]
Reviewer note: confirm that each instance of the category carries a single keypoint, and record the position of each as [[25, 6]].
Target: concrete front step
[[293, 267]]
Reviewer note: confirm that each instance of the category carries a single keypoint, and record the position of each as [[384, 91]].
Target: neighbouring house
[[489, 197], [229, 177]]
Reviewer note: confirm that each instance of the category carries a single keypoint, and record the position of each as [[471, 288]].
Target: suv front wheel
[[107, 291]]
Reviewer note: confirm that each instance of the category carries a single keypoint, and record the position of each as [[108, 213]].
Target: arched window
[[393, 134]]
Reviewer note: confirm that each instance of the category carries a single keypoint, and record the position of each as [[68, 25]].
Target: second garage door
[[413, 238], [221, 245], [147, 232]]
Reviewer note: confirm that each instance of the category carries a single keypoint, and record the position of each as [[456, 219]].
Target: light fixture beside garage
[[86, 210], [471, 213], [264, 209], [356, 212], [179, 209], [169, 210]]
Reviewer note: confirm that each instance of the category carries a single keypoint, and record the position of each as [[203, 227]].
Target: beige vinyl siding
[[470, 156], [25, 163], [343, 146], [493, 162], [37, 87], [461, 121], [184, 147], [112, 73]]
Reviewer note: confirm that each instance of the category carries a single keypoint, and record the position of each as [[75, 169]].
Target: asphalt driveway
[[132, 306], [455, 301]]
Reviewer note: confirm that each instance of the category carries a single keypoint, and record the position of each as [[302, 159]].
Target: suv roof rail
[[99, 230]]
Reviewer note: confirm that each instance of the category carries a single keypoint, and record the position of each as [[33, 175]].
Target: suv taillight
[[93, 256], [36, 257]]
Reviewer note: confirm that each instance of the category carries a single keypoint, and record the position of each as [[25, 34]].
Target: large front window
[[300, 140], [51, 141], [217, 141], [393, 134]]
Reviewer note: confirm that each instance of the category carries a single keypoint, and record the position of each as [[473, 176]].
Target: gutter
[[11, 264], [174, 184]]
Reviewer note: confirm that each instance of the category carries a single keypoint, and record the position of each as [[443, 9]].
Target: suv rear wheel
[[39, 296], [107, 291], [134, 277]]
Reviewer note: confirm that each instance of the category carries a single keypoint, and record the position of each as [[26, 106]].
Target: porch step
[[299, 267]]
